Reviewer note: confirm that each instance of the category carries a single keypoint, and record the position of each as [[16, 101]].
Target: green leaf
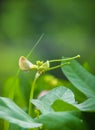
[[13, 114], [25, 85], [88, 105], [12, 90], [61, 121], [44, 103], [11, 84], [80, 78], [14, 127], [60, 105]]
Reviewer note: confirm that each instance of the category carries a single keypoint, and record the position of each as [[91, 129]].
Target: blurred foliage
[[69, 28], [66, 104]]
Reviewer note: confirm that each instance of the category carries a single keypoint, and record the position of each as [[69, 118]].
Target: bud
[[39, 63], [25, 64], [44, 67]]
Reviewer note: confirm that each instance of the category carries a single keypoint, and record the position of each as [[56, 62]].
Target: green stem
[[65, 59], [32, 94], [58, 66]]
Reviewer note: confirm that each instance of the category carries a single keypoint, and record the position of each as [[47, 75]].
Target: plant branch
[[65, 59], [58, 66]]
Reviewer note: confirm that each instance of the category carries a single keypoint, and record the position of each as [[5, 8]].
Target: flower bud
[[25, 64], [45, 66]]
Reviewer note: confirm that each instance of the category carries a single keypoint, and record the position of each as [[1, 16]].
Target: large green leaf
[[61, 121], [44, 103], [13, 114], [80, 78], [88, 105], [60, 105]]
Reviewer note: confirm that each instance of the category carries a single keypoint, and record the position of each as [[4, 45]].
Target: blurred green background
[[69, 28]]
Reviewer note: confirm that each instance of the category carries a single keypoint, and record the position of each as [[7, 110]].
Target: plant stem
[[32, 94], [58, 66], [65, 59]]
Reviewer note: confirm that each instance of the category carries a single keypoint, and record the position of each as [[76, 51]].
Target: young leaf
[[13, 114], [44, 103], [80, 78], [61, 121]]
